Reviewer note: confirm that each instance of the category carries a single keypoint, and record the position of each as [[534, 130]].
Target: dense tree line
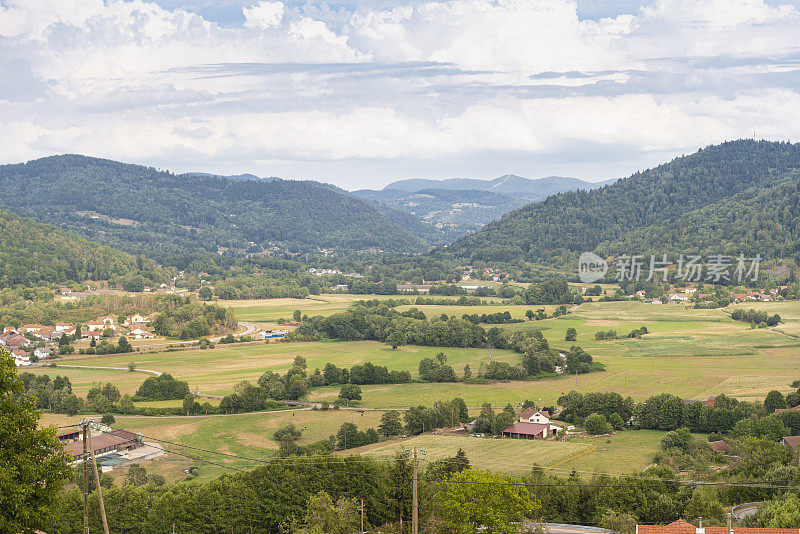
[[257, 287], [549, 292], [491, 318], [162, 387], [755, 317]]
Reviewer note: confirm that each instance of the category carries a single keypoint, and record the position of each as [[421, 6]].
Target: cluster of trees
[[247, 397], [419, 419], [577, 407], [362, 374], [350, 437], [489, 422], [105, 346], [549, 292], [612, 334], [491, 318], [185, 319], [755, 317], [55, 395], [255, 287], [387, 325], [727, 415], [448, 290], [540, 314], [436, 369], [162, 387]]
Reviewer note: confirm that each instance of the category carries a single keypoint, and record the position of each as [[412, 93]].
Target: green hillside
[[144, 210], [33, 253], [740, 196]]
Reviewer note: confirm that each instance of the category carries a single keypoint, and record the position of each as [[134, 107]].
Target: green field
[[620, 453], [513, 456], [217, 371], [690, 353]]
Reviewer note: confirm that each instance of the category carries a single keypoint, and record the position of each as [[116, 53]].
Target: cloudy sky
[[359, 93]]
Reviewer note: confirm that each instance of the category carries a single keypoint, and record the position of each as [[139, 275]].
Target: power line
[[655, 482]]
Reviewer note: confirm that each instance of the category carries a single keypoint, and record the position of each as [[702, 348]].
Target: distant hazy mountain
[[738, 197], [508, 184], [460, 205], [142, 210]]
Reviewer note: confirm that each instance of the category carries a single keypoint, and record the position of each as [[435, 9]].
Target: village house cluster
[[31, 343]]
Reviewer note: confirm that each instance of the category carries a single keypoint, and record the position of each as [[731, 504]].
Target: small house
[[791, 441]]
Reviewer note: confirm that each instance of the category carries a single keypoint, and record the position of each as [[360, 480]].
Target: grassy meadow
[[483, 453], [690, 353]]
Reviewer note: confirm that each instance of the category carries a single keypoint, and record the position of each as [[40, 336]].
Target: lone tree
[[33, 465], [396, 339], [572, 335], [350, 392]]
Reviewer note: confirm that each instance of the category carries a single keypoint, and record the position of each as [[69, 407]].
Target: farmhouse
[[118, 440], [535, 416], [683, 527]]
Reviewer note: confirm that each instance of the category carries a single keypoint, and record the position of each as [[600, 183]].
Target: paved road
[[747, 509], [558, 528]]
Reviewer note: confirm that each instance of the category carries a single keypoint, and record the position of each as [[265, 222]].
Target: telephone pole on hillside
[[416, 454]]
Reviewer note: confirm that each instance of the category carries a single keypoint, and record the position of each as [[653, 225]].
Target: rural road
[[558, 528], [747, 509]]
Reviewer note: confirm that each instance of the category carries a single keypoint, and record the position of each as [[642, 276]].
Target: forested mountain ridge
[[32, 254], [724, 198], [144, 210]]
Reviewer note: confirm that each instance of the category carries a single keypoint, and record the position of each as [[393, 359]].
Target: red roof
[[527, 429], [101, 442], [718, 446], [682, 527]]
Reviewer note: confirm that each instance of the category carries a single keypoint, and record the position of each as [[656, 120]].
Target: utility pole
[[99, 488], [85, 428], [362, 516], [414, 508]]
